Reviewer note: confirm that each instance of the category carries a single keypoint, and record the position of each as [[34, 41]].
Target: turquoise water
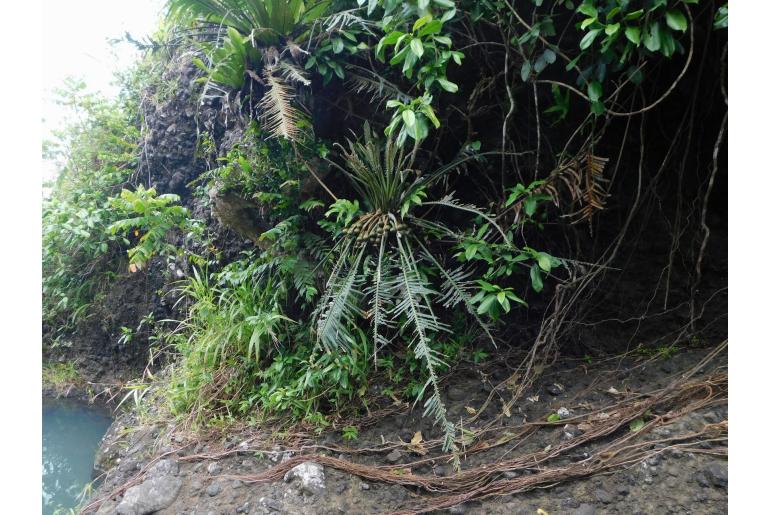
[[72, 431]]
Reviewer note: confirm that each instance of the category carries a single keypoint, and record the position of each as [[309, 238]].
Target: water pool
[[72, 431]]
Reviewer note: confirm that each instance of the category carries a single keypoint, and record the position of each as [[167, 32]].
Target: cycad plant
[[382, 256], [261, 41]]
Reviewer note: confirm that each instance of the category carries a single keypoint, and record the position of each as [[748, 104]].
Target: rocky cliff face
[[168, 161]]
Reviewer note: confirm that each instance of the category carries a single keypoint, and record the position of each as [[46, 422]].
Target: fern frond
[[586, 185], [279, 116]]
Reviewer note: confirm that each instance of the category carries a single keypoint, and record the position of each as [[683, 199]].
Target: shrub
[[95, 153], [156, 217]]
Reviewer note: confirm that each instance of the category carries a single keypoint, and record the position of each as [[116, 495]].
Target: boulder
[[152, 495], [311, 476]]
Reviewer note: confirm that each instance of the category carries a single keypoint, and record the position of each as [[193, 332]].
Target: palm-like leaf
[[279, 116], [283, 17], [341, 308], [384, 238]]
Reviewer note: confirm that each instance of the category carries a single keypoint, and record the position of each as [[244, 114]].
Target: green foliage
[[413, 118], [502, 261], [154, 217], [720, 19], [423, 49], [378, 270], [337, 294], [622, 30], [415, 41], [350, 433], [238, 339], [95, 154], [261, 41], [61, 377], [265, 169]]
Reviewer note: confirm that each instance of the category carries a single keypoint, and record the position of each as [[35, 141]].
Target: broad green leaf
[[427, 110], [447, 85], [408, 116], [652, 38], [634, 35], [553, 417], [434, 27], [588, 9], [530, 205], [612, 29], [667, 43], [421, 21], [417, 47], [526, 68], [535, 278], [676, 20], [595, 90], [515, 298], [636, 424], [420, 132], [586, 23], [487, 304], [448, 15], [544, 260], [589, 38], [613, 13]]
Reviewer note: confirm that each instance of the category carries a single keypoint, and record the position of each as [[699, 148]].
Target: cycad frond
[[449, 201], [279, 116], [340, 309], [457, 288], [415, 306], [293, 73], [381, 293], [362, 80]]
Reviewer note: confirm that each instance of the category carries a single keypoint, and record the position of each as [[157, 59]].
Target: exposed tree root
[[665, 405]]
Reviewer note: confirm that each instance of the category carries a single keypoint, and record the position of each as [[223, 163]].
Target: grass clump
[[61, 378]]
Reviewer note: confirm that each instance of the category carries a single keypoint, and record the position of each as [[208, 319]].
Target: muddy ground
[[183, 476]]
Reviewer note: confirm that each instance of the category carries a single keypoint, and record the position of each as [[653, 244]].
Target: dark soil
[[670, 481]]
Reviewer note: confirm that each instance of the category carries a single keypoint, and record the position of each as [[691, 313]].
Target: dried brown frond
[[581, 180], [295, 50], [293, 73], [584, 177], [279, 117]]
